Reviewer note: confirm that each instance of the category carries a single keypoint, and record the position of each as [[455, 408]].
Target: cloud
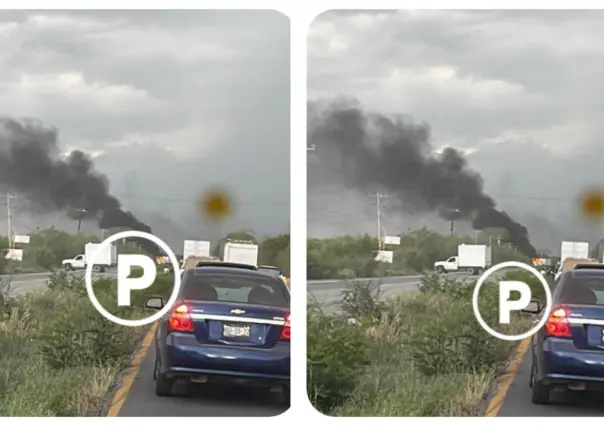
[[203, 94], [519, 91]]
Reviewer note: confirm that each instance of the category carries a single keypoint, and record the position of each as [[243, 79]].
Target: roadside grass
[[58, 355], [420, 354]]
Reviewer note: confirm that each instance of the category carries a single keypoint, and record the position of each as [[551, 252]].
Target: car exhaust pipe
[[199, 379]]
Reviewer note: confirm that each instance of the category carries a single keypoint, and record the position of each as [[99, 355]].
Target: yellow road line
[[130, 374], [497, 400]]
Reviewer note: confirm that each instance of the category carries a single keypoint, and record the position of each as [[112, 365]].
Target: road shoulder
[[126, 379], [504, 382]]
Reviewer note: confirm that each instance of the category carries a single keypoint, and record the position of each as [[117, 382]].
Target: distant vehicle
[[571, 263], [568, 352], [471, 258], [192, 261], [230, 324], [573, 249], [274, 271], [270, 270], [196, 248], [105, 259], [240, 252]]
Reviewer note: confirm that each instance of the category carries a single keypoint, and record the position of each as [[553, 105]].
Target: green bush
[[361, 299], [350, 257], [424, 353], [337, 352], [59, 355]]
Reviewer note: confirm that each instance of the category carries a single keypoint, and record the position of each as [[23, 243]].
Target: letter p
[[125, 284], [506, 305]]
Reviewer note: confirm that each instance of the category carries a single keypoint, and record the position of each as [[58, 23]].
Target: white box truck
[[574, 249], [105, 259], [196, 248], [471, 258], [246, 254]]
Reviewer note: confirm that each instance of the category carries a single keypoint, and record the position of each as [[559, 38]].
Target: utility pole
[[81, 213], [10, 220], [379, 197], [454, 213]]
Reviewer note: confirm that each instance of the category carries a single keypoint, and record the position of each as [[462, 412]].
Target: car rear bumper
[[183, 355], [563, 363], [565, 380]]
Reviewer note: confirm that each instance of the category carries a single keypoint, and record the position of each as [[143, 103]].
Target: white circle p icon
[[126, 284], [125, 263], [506, 305]]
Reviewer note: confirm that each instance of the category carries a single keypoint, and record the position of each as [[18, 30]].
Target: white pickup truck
[[471, 258], [103, 260]]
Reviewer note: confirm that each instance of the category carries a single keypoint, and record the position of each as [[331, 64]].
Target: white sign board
[[21, 239], [15, 254], [384, 256], [395, 241], [196, 248]]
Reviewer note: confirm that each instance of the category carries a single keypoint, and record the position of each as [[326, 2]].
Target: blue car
[[568, 352], [230, 323]]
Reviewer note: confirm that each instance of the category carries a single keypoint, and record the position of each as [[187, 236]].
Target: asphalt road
[[197, 400], [25, 283], [328, 293], [517, 399]]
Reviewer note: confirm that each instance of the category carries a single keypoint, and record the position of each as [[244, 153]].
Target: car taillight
[[286, 330], [557, 324], [180, 320]]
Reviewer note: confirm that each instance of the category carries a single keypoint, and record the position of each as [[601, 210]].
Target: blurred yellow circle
[[215, 204], [592, 203]]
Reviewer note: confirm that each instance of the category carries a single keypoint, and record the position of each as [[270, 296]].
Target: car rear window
[[582, 290], [236, 288]]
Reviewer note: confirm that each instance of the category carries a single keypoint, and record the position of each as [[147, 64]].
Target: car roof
[[587, 273], [215, 269], [228, 270]]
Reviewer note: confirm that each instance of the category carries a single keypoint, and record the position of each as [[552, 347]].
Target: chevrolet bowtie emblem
[[238, 311]]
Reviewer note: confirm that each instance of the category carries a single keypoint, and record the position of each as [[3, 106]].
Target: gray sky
[[168, 102], [520, 91]]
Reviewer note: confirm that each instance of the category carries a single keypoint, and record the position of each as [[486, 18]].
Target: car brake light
[[557, 324], [180, 320], [286, 330]]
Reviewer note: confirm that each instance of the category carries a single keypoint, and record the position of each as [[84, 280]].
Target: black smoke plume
[[377, 152], [31, 165]]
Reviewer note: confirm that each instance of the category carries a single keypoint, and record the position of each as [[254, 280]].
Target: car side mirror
[[534, 307], [155, 303]]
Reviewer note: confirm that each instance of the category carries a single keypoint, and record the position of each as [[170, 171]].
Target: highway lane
[[139, 399], [328, 293], [25, 283], [516, 399]]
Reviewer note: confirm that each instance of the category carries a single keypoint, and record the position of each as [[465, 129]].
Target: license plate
[[237, 331], [595, 336]]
